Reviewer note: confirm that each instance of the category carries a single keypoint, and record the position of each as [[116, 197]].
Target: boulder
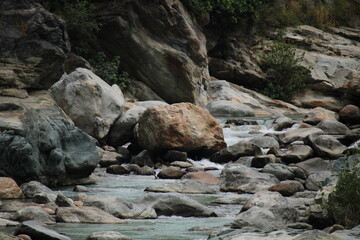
[[139, 91], [314, 165], [109, 158], [319, 114], [204, 177], [43, 142], [183, 127], [240, 199], [264, 142], [34, 213], [281, 171], [326, 146], [173, 155], [297, 134], [119, 207], [287, 188], [34, 45], [144, 158], [44, 197], [118, 169], [183, 186], [350, 114], [297, 153], [333, 127], [63, 201], [317, 180], [261, 160], [182, 164], [85, 215], [5, 236], [235, 151], [172, 47], [239, 178], [169, 204], [8, 223], [315, 235], [32, 188], [36, 231], [89, 101], [9, 189], [171, 173], [149, 104], [107, 235], [256, 217], [122, 131], [282, 123], [224, 108]]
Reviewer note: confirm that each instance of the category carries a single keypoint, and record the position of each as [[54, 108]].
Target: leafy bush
[[108, 70], [344, 203], [284, 74]]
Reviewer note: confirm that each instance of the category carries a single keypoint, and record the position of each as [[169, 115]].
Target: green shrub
[[108, 70], [343, 204], [284, 74]]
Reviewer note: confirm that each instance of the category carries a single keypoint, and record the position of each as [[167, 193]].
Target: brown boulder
[[204, 177], [350, 114], [318, 114], [9, 189], [183, 127], [287, 188], [171, 173]]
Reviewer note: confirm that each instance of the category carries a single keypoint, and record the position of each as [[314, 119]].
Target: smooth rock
[[118, 169], [175, 204], [36, 231], [261, 160], [240, 199], [333, 127], [204, 177], [297, 134], [107, 235], [319, 114], [264, 142], [183, 186], [44, 197], [350, 114], [235, 151], [85, 215], [282, 123], [63, 201], [34, 213], [109, 158], [316, 181], [144, 158], [171, 173], [239, 178], [173, 155], [31, 188], [315, 165], [287, 188], [281, 171], [326, 146], [9, 189], [89, 101], [183, 127], [297, 153], [223, 108], [315, 235]]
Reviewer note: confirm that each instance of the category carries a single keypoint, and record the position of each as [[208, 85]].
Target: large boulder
[[39, 142], [89, 101], [297, 153], [34, 213], [173, 60], [350, 114], [33, 46], [224, 108], [183, 127], [184, 186], [9, 189], [235, 151], [169, 204], [36, 231], [333, 127], [326, 146], [107, 235], [118, 207], [239, 178], [297, 134], [84, 215]]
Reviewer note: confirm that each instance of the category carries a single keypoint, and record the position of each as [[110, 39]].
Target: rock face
[[90, 102], [183, 127], [239, 178], [173, 60], [9, 189], [39, 142], [33, 47]]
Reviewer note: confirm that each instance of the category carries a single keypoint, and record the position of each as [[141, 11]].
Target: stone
[[183, 127], [235, 151], [350, 114], [287, 188], [281, 171], [255, 217], [118, 207], [181, 164], [13, 92], [317, 180], [171, 204], [239, 178], [240, 199], [319, 114], [122, 131], [34, 45], [149, 104], [138, 91], [146, 170], [32, 188], [144, 158], [34, 213], [297, 134], [85, 215], [315, 235], [109, 158], [261, 160], [9, 189], [171, 173], [44, 197], [175, 65], [333, 127], [63, 201], [183, 186], [43, 142], [89, 101], [325, 146], [107, 235], [241, 235], [297, 153], [36, 231], [282, 123], [223, 108], [5, 236], [80, 188], [314, 165], [8, 223], [118, 169], [173, 155], [264, 142], [202, 176]]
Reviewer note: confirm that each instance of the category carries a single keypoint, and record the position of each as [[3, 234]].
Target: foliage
[[285, 75], [108, 69], [344, 203], [225, 13]]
